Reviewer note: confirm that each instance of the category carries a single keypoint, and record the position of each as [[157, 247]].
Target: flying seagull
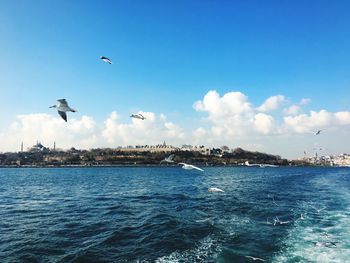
[[105, 59], [62, 108], [215, 190], [273, 199], [318, 210], [277, 221], [262, 165], [254, 258], [325, 244], [169, 159], [190, 167], [318, 132], [138, 116]]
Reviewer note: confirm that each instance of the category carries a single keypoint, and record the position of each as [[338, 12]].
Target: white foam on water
[[207, 249], [321, 238]]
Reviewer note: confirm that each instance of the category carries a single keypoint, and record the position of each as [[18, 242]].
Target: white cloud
[[342, 117], [292, 110], [245, 124], [272, 103], [232, 103], [232, 115], [150, 131], [296, 109], [263, 123], [304, 101], [230, 119], [85, 133], [317, 120], [199, 132], [48, 129]]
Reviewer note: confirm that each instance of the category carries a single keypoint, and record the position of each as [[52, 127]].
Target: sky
[[261, 75]]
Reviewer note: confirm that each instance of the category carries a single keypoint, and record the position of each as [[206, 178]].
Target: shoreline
[[154, 166]]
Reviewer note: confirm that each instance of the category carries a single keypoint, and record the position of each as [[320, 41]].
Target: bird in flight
[[254, 258], [215, 190], [317, 132], [318, 210], [277, 221], [62, 108], [105, 59], [262, 165], [190, 167], [138, 116], [169, 159]]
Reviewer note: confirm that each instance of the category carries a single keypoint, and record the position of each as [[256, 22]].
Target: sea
[[167, 214]]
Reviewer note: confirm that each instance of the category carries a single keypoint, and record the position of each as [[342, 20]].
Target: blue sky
[[169, 54]]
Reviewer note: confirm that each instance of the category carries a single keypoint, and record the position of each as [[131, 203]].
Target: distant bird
[[203, 220], [277, 221], [318, 132], [190, 167], [273, 199], [326, 235], [318, 210], [107, 60], [138, 116], [215, 190], [62, 108], [169, 159], [325, 244], [268, 222], [262, 165], [254, 258], [319, 149]]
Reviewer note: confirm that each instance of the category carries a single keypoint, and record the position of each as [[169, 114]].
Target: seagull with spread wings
[[105, 59], [190, 167], [215, 190], [254, 258], [169, 159], [138, 116], [62, 107]]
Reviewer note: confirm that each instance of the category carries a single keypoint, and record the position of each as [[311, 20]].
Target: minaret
[[21, 147], [54, 146]]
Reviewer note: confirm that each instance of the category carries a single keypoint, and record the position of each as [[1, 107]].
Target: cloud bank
[[230, 119]]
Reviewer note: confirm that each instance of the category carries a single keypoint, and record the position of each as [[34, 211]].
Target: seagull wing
[[63, 115], [171, 157], [197, 168], [136, 116]]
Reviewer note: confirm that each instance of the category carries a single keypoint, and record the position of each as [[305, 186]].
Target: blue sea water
[[168, 215]]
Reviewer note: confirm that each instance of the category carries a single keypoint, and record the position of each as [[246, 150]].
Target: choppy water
[[168, 215]]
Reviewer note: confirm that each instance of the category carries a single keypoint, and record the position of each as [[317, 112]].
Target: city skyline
[[261, 76]]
